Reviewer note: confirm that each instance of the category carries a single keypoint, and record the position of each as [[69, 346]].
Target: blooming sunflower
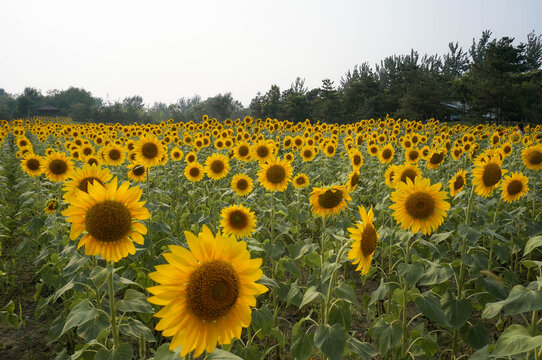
[[137, 173], [404, 172], [532, 157], [149, 151], [435, 159], [487, 175], [329, 201], [458, 182], [81, 177], [356, 158], [275, 175], [207, 291], [57, 166], [51, 206], [307, 153], [242, 184], [412, 155], [191, 157], [386, 154], [176, 154], [114, 155], [300, 181], [419, 205], [217, 166], [389, 175], [365, 239], [107, 214], [242, 151], [31, 164], [514, 187], [194, 171], [237, 220], [353, 180], [261, 151]]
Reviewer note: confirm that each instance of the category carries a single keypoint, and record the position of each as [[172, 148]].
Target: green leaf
[[380, 293], [532, 244], [98, 276], [476, 336], [163, 353], [345, 292], [122, 352], [331, 340], [135, 328], [262, 319], [429, 305], [69, 285], [134, 301], [271, 283], [161, 227], [386, 335], [309, 296], [411, 272], [301, 346], [219, 354], [519, 300], [437, 238], [55, 329], [76, 261], [80, 314], [90, 330], [362, 349], [457, 312], [516, 340], [436, 274]]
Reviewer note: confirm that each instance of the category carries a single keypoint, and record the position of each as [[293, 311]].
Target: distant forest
[[494, 80]]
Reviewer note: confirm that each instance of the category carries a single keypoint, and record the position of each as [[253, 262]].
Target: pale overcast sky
[[164, 50]]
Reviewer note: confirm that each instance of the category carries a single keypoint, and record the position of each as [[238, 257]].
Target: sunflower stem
[[404, 302], [112, 308], [492, 239]]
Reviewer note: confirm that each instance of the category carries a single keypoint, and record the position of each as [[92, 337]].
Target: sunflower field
[[267, 239]]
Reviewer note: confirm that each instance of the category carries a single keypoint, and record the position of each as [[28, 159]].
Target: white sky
[[164, 50]]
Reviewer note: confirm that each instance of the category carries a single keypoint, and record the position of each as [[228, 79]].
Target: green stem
[[272, 225], [331, 282], [112, 309], [492, 240], [404, 302]]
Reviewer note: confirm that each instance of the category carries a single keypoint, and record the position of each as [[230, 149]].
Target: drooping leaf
[[331, 340]]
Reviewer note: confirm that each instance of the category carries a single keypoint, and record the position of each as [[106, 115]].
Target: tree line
[[493, 80]]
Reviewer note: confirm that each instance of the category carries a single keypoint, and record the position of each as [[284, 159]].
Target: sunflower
[[51, 206], [176, 154], [514, 187], [149, 151], [114, 155], [57, 166], [356, 158], [458, 182], [300, 181], [435, 159], [237, 220], [289, 157], [242, 151], [137, 173], [389, 175], [81, 177], [373, 150], [353, 180], [261, 151], [487, 175], [31, 164], [107, 214], [275, 175], [457, 152], [329, 201], [419, 205], [412, 155], [241, 184], [386, 154], [307, 153], [217, 166], [365, 239], [404, 172], [194, 171], [532, 157], [191, 157], [330, 149], [207, 295]]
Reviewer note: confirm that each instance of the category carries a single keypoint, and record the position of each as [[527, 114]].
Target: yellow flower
[[458, 182], [56, 167], [81, 177], [386, 154], [193, 171], [114, 155], [237, 220], [487, 175], [242, 184], [275, 175], [356, 158], [300, 181], [419, 205], [242, 151], [353, 180], [31, 164], [137, 173], [365, 239], [532, 157], [307, 153], [108, 216], [329, 201], [176, 154], [217, 166], [51, 206], [207, 291], [262, 151], [514, 187], [149, 151], [404, 172]]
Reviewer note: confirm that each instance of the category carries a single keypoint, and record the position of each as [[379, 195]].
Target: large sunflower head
[[31, 164], [329, 201], [242, 184], [300, 181], [514, 187], [149, 151], [532, 157], [487, 175], [207, 291], [458, 182], [80, 178], [365, 239], [262, 151], [237, 220], [194, 171], [137, 172], [242, 151], [108, 216], [307, 153], [114, 155], [217, 166], [412, 155], [57, 166], [275, 175], [419, 206], [386, 154]]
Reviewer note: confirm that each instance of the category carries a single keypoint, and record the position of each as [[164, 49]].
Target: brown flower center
[[330, 199], [217, 166], [58, 167], [138, 170], [213, 289], [191, 158], [242, 184], [238, 219], [108, 221], [534, 157], [262, 151], [368, 240], [459, 182], [514, 187], [413, 155], [243, 150], [83, 184], [492, 174], [354, 180], [92, 161], [436, 158], [114, 154], [357, 159], [410, 174], [300, 180], [307, 153], [194, 172], [149, 150], [275, 174], [386, 154], [33, 164], [420, 205], [87, 151]]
